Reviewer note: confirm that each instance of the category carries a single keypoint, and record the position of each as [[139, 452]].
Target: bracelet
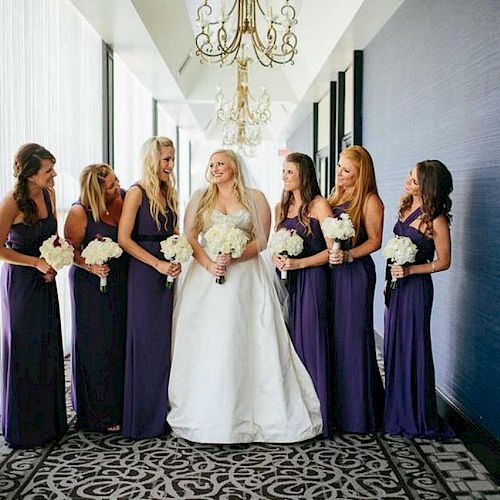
[[433, 267], [350, 258]]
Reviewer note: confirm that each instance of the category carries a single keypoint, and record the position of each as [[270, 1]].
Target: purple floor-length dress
[[33, 406], [357, 393], [410, 404], [307, 314], [149, 324], [99, 322]]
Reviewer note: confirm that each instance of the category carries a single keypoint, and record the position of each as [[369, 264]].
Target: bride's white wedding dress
[[235, 377]]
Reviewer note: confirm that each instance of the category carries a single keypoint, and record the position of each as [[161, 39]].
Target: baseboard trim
[[479, 440]]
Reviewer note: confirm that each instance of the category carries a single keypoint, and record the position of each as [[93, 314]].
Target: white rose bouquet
[[57, 252], [175, 248], [338, 229], [226, 238], [400, 250], [100, 250], [288, 243]]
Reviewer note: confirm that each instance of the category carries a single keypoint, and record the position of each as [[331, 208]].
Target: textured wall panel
[[432, 90]]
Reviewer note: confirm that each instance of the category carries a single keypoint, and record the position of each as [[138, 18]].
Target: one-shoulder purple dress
[[410, 403], [33, 406], [307, 314], [99, 322], [357, 393], [149, 325]]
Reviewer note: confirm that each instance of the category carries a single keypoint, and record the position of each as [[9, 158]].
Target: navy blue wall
[[432, 90]]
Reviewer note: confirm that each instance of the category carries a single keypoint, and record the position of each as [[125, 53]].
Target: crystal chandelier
[[223, 39], [243, 115]]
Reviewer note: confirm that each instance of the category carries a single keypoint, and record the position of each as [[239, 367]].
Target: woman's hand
[[42, 266], [336, 257], [215, 269], [168, 268], [223, 260], [284, 263], [399, 271], [50, 275], [101, 270]]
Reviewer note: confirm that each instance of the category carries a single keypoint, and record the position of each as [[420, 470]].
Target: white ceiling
[[155, 38]]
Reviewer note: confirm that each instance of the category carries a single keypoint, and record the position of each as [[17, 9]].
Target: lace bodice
[[241, 218]]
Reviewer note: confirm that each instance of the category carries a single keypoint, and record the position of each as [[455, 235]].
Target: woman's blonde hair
[[364, 186], [151, 155], [92, 181], [208, 199]]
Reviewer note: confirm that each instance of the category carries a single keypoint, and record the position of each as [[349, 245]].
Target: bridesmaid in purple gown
[[357, 393], [33, 406], [302, 208], [424, 217], [99, 319], [149, 216]]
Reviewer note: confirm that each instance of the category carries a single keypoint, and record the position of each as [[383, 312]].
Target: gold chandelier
[[223, 39], [243, 115]]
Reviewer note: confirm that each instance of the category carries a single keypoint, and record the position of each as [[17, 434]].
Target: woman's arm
[[442, 242], [199, 253], [373, 217], [74, 231], [131, 204], [262, 227]]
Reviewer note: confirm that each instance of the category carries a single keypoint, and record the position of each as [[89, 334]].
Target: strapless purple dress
[[307, 314], [33, 405], [410, 403]]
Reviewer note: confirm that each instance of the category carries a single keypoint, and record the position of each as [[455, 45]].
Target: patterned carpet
[[107, 466]]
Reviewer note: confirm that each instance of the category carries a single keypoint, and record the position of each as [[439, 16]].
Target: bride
[[235, 377]]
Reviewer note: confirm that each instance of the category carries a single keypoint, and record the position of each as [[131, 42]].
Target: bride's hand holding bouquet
[[55, 253], [283, 244], [176, 249], [225, 241]]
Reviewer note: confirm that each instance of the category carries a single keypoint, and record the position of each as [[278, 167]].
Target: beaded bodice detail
[[241, 218]]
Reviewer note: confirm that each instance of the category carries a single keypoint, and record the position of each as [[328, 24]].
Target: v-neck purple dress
[[33, 404], [307, 314], [99, 322], [356, 385], [410, 403], [149, 325]]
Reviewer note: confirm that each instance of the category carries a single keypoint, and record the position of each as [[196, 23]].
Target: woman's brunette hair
[[27, 162], [309, 189]]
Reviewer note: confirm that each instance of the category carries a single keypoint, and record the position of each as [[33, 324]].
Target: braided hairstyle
[[27, 162]]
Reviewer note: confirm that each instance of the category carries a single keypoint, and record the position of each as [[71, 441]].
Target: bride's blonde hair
[[208, 199]]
